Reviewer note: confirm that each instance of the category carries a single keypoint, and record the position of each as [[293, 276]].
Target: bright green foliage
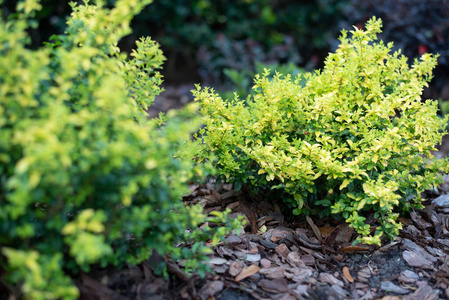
[[84, 177], [352, 138], [241, 81]]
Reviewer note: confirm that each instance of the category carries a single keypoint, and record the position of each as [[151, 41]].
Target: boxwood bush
[[85, 178], [351, 139]]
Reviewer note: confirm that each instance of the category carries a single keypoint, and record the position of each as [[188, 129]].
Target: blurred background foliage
[[216, 42]]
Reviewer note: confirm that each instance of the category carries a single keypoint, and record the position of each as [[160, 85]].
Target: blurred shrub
[[196, 22], [242, 57], [349, 140], [49, 20], [235, 34], [206, 32], [85, 178]]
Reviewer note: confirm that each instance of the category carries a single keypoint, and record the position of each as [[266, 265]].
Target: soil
[[274, 259]]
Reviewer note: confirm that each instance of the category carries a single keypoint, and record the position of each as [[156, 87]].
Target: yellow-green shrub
[[352, 138], [85, 178]]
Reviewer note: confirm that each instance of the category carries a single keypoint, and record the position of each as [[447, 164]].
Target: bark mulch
[[272, 259]]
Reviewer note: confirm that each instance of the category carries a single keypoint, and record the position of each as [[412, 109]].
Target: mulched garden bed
[[272, 259], [276, 259]]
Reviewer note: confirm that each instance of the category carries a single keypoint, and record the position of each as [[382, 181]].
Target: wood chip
[[405, 221], [308, 259], [304, 240], [268, 244], [340, 235], [276, 272], [364, 274], [315, 229], [253, 257], [275, 286], [233, 240], [408, 276], [424, 292], [236, 267], [265, 263], [330, 279], [247, 272], [347, 274], [294, 259], [389, 286], [326, 231], [217, 261], [415, 260], [282, 250], [418, 250], [301, 290], [211, 288], [300, 275], [419, 221], [351, 249]]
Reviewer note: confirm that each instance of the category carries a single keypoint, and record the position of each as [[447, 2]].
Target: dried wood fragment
[[347, 274], [247, 272]]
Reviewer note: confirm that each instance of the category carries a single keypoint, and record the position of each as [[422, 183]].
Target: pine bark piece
[[442, 203], [408, 276], [423, 292], [300, 275], [419, 250], [211, 288], [326, 231], [341, 234], [330, 279], [419, 221], [294, 259], [272, 273], [265, 263], [347, 274], [247, 272], [275, 286], [415, 260], [308, 259], [236, 267], [389, 286], [351, 249], [364, 274], [282, 250], [305, 241], [315, 229]]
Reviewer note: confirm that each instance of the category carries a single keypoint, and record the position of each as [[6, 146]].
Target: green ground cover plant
[[85, 177], [351, 139]]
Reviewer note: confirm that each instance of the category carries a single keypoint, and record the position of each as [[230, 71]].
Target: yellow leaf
[[344, 184], [70, 228], [95, 226]]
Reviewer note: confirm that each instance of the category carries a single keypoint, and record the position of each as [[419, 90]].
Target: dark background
[[201, 38]]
